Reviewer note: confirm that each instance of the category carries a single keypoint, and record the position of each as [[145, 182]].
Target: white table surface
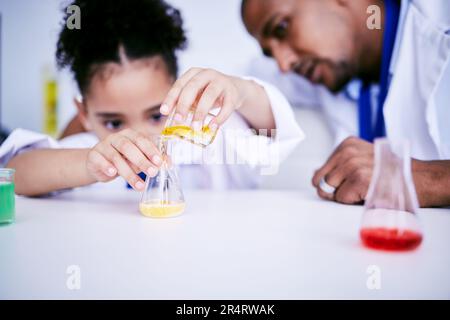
[[230, 245]]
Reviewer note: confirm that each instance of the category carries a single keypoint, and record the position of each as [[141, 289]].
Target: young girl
[[123, 60]]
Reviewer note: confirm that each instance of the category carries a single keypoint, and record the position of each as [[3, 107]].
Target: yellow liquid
[[161, 209], [203, 137], [50, 107]]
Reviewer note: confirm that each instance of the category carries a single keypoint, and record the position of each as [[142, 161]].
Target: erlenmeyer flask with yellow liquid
[[163, 196], [182, 128]]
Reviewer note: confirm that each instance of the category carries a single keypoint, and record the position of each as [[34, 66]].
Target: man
[[404, 70]]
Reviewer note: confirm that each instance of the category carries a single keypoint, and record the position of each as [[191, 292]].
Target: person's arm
[[207, 89], [349, 170], [256, 108], [43, 171], [124, 154], [432, 181]]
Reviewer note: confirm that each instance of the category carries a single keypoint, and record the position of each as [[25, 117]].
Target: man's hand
[[349, 170]]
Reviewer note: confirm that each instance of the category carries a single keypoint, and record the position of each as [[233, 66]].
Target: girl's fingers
[[209, 98], [101, 165], [226, 110], [133, 167], [125, 171], [203, 89], [131, 152], [191, 92], [145, 145], [172, 97]]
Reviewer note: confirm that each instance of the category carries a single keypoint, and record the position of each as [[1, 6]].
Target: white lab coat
[[418, 103], [340, 110], [417, 107], [237, 158]]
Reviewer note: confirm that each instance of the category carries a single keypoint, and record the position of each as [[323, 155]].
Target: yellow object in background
[[50, 107]]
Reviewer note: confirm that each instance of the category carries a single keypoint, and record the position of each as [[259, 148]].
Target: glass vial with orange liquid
[[163, 196], [390, 219]]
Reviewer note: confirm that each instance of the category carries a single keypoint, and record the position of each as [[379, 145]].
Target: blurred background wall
[[30, 30], [217, 39]]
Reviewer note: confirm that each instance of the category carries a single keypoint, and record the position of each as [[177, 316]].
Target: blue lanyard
[[366, 129]]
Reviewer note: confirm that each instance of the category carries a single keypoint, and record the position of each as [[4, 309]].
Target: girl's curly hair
[[143, 28]]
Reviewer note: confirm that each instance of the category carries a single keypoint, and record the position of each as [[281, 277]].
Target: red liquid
[[390, 239]]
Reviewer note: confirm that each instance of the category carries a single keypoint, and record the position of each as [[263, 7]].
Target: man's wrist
[[432, 182]]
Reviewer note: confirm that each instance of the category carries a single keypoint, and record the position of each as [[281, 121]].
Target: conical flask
[[183, 128], [390, 219], [163, 196]]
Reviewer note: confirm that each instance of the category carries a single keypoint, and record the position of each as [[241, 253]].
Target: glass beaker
[[183, 128], [163, 196], [7, 198], [390, 219]]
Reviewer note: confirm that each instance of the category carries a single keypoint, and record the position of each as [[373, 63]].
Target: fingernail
[[196, 125], [111, 172], [152, 171], [164, 108], [139, 185], [157, 159], [178, 117]]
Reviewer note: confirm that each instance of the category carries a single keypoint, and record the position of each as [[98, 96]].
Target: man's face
[[313, 38]]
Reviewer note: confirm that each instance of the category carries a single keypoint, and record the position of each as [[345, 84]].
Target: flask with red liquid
[[390, 219]]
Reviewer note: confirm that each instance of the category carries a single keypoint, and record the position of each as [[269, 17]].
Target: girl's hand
[[204, 89], [124, 154]]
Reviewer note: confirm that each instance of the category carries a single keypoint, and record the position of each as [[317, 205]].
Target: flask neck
[[392, 186]]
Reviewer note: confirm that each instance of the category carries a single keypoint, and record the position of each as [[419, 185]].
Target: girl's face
[[126, 95]]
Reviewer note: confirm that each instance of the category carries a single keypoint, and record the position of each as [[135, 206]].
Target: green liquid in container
[[7, 202]]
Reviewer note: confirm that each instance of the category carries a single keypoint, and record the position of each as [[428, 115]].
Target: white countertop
[[230, 245]]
